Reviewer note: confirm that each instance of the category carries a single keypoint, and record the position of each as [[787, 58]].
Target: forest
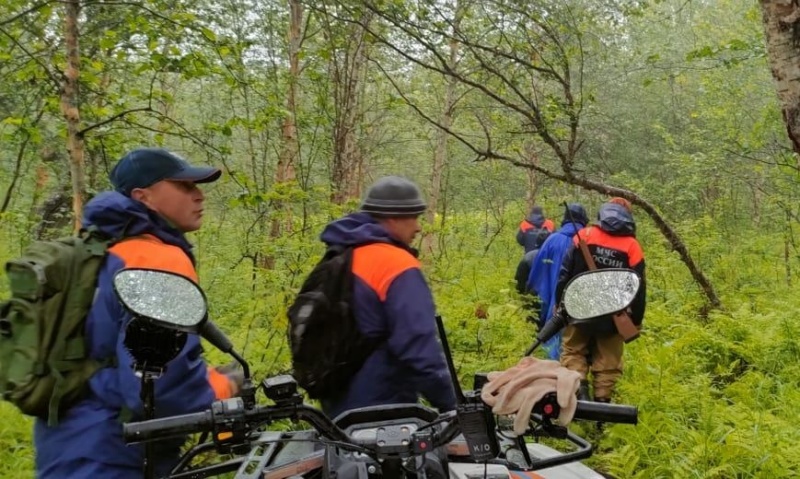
[[690, 109]]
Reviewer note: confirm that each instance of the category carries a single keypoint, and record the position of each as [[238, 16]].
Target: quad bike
[[379, 442]]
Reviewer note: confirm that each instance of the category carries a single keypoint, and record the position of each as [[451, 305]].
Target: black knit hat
[[394, 196]]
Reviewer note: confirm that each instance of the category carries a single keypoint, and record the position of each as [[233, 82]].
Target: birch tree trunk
[[782, 30]]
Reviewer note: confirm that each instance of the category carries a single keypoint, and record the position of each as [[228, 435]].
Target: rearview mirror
[[162, 298], [600, 292]]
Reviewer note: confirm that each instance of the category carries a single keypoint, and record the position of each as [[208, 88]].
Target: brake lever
[[545, 428], [545, 411]]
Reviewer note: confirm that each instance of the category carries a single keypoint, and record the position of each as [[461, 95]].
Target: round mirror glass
[[167, 299], [600, 292]]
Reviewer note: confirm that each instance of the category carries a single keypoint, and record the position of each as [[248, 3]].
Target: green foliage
[[711, 402], [16, 440], [714, 396], [483, 314]]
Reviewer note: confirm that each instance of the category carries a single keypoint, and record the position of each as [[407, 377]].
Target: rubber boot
[[583, 391]]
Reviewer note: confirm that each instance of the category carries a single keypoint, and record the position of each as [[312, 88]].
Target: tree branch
[[50, 75], [113, 118], [21, 14]]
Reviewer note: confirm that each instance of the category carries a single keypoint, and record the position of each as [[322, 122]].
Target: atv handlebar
[[166, 428], [605, 412], [228, 417]]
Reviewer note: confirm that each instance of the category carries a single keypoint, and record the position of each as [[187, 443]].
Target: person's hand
[[517, 390]]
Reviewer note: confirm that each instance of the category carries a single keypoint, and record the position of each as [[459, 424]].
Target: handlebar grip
[[605, 412], [168, 427]]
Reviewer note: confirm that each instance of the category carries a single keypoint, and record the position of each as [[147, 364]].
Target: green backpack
[[44, 363]]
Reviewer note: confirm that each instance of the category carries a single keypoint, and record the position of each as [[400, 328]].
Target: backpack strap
[[55, 398], [583, 246], [97, 242], [333, 250]]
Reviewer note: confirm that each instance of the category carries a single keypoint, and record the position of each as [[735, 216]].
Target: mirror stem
[[247, 392], [533, 346], [211, 333], [147, 395], [556, 324], [240, 360]]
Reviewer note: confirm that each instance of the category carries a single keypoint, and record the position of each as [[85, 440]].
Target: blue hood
[[117, 216], [570, 229], [536, 217], [615, 220], [357, 229]]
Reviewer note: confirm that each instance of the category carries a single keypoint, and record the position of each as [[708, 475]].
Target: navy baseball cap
[[144, 167]]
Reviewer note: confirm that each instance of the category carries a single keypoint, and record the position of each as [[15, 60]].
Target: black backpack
[[327, 346], [534, 238]]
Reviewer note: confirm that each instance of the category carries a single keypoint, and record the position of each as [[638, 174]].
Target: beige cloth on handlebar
[[517, 390]]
